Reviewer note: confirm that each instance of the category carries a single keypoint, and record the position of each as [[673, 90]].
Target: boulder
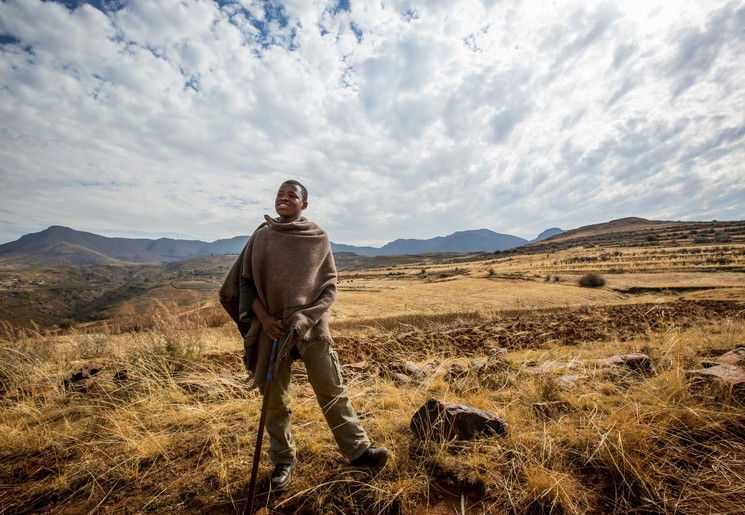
[[438, 420]]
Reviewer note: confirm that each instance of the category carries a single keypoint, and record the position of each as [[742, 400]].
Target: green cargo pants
[[324, 375]]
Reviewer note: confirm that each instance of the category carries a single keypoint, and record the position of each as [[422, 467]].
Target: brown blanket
[[293, 272]]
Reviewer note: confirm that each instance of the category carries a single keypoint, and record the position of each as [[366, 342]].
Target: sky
[[404, 119]]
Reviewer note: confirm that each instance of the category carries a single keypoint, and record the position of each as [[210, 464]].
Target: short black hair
[[302, 188]]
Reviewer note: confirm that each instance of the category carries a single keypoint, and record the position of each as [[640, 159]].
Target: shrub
[[67, 323], [592, 281]]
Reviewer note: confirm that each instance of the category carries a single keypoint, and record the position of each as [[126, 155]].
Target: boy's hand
[[271, 327]]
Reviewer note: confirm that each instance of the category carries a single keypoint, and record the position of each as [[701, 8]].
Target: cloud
[[405, 119], [697, 50]]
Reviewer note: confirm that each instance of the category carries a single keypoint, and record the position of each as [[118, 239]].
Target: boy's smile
[[289, 203]]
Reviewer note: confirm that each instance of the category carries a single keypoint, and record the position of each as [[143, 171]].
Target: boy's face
[[289, 202]]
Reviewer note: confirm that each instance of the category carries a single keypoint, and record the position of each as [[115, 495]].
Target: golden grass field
[[163, 422]]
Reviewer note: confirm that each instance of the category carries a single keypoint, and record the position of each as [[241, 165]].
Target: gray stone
[[446, 421], [734, 357], [637, 362], [719, 382], [408, 371], [496, 360], [567, 382]]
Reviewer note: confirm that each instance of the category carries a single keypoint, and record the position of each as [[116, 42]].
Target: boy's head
[[292, 199], [302, 188]]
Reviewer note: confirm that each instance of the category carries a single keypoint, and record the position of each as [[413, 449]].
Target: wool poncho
[[292, 269]]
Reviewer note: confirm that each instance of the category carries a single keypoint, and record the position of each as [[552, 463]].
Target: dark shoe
[[373, 457], [281, 475]]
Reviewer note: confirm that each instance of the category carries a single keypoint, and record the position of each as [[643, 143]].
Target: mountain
[[548, 233], [58, 245], [352, 249], [480, 240], [221, 247], [129, 250]]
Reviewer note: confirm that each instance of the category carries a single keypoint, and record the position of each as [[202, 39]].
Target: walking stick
[[248, 508]]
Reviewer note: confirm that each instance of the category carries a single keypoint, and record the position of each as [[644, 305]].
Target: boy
[[281, 288]]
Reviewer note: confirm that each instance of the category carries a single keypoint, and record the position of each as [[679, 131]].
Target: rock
[[400, 378], [83, 374], [637, 362], [123, 376], [543, 368], [496, 355], [733, 357], [405, 372], [719, 382], [360, 366], [456, 372], [496, 361], [476, 367], [567, 382], [446, 421], [90, 380]]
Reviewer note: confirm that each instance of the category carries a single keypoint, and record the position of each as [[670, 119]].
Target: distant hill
[[481, 240], [637, 232], [548, 233], [70, 254], [130, 250], [62, 245], [222, 247]]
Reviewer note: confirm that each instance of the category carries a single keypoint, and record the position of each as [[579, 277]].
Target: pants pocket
[[336, 366]]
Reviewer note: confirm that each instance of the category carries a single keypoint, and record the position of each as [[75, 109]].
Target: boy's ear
[[305, 205]]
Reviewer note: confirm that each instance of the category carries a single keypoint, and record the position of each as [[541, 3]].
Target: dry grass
[[166, 424]]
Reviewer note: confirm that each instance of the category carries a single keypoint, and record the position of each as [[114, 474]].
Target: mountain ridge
[[62, 245]]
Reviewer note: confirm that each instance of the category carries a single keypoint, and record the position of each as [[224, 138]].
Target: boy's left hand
[[272, 327]]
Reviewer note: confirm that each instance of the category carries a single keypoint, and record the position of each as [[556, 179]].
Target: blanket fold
[[291, 268]]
